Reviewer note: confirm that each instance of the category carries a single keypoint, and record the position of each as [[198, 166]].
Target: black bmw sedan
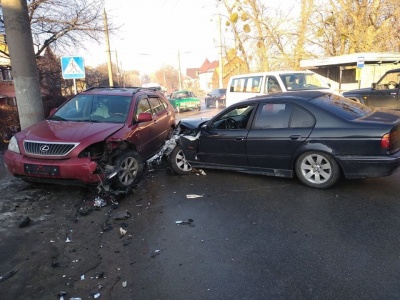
[[315, 136]]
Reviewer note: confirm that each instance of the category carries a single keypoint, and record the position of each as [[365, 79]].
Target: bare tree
[[64, 24], [349, 26]]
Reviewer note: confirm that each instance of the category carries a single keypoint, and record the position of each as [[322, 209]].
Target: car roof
[[298, 95], [118, 91]]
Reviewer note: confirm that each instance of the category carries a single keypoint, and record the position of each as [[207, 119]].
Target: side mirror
[[53, 111], [373, 86], [144, 117]]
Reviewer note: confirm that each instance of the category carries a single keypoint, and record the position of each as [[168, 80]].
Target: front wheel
[[130, 169], [317, 170], [178, 163]]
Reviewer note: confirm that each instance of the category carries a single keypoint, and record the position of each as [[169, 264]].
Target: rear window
[[342, 107]]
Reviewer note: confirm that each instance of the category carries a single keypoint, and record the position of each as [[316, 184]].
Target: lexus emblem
[[44, 148]]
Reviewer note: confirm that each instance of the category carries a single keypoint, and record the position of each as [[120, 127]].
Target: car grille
[[48, 149]]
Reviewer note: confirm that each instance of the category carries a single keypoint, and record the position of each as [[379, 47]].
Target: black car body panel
[[319, 122], [383, 94]]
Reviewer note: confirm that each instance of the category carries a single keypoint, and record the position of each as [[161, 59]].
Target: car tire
[[199, 107], [178, 163], [207, 104], [317, 169], [130, 168]]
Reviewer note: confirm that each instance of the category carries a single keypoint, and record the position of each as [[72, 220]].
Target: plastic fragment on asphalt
[[68, 240], [193, 196], [122, 215], [96, 296], [8, 275], [124, 283], [99, 202], [82, 277], [122, 231], [188, 222]]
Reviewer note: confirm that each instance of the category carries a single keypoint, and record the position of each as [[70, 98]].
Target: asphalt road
[[243, 237]]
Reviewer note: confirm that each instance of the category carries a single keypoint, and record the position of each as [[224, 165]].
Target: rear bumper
[[73, 170], [369, 166]]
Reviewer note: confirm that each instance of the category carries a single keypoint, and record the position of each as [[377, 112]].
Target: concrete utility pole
[[23, 62], [109, 64]]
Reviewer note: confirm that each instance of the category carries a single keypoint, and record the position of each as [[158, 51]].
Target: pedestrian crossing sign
[[72, 67]]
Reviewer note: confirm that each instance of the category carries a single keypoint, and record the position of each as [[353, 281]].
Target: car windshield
[[94, 108], [343, 107], [303, 81]]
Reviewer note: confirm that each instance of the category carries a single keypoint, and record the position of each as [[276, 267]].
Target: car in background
[[97, 132], [317, 136], [244, 86], [385, 93], [216, 98], [184, 100]]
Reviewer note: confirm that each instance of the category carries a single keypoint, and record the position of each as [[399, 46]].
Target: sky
[[153, 32]]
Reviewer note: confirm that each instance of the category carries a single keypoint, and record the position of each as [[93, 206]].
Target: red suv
[[99, 131]]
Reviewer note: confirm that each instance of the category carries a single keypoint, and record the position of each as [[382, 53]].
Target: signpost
[[73, 67], [360, 65]]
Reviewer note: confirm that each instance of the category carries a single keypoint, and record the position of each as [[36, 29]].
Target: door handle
[[295, 137], [239, 138]]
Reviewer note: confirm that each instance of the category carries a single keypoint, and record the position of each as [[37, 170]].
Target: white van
[[241, 87]]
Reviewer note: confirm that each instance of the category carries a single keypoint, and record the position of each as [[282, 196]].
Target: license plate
[[40, 169]]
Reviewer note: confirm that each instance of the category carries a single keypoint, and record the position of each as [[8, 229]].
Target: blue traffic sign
[[360, 62], [72, 67]]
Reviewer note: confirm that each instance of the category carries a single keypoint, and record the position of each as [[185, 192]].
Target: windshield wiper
[[56, 118]]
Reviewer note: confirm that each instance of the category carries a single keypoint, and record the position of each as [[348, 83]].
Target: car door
[[224, 144], [161, 117], [146, 131], [384, 98], [277, 130], [386, 92]]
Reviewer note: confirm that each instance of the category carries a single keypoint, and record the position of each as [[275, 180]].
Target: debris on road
[[8, 275], [24, 222], [122, 231], [99, 202], [193, 196], [198, 171], [122, 215], [188, 222]]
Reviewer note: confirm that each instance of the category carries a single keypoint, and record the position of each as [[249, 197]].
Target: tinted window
[[272, 115], [143, 107], [301, 118], [342, 107], [156, 105], [235, 118]]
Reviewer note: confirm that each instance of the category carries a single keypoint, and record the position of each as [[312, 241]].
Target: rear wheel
[[207, 104], [130, 168], [178, 163], [317, 170]]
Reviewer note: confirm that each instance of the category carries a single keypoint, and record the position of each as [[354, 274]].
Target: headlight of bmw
[[13, 145]]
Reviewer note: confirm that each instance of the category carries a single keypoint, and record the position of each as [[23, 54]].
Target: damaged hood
[[76, 132], [193, 123]]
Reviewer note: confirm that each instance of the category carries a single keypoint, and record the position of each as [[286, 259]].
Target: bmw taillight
[[385, 141], [391, 141]]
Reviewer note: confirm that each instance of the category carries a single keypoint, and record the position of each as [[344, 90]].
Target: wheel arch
[[315, 148]]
